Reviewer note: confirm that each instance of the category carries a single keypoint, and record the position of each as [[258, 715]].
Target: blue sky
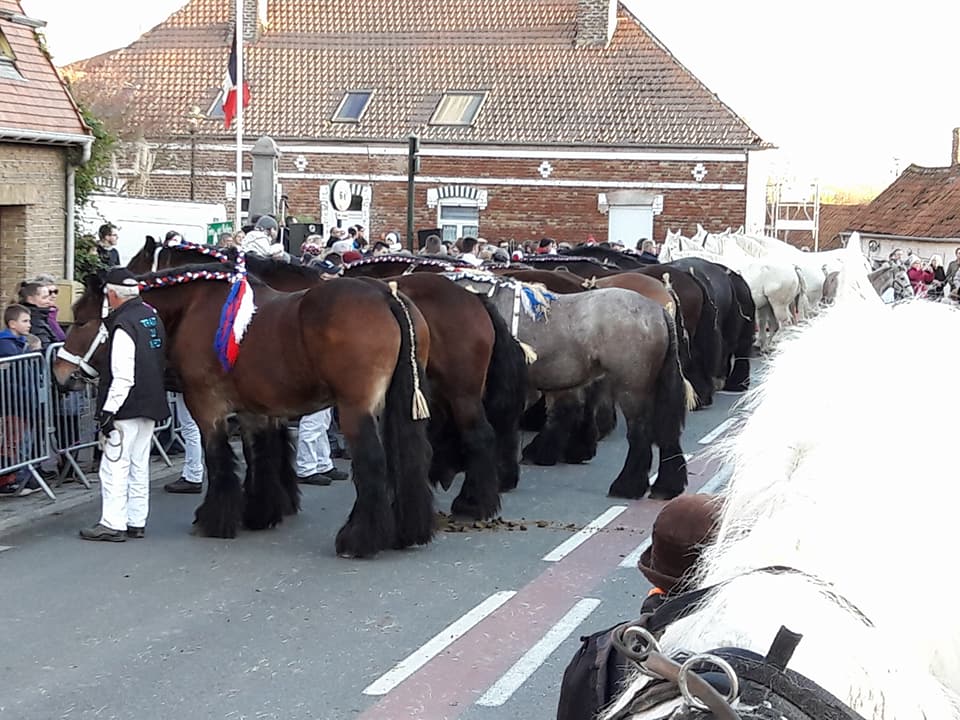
[[848, 90]]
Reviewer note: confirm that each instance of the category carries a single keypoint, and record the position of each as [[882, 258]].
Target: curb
[[50, 508]]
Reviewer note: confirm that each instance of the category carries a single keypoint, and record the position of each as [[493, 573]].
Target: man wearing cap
[[131, 401], [262, 240]]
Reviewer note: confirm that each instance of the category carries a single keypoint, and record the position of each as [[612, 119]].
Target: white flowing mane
[[835, 474]]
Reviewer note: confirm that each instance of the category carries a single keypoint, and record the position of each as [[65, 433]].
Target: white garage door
[[629, 224]]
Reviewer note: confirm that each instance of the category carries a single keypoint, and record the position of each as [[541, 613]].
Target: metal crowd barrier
[[24, 415], [73, 422]]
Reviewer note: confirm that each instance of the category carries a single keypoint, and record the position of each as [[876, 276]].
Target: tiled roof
[[39, 102], [541, 87], [922, 203]]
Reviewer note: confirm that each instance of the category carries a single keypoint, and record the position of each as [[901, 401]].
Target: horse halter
[[99, 339], [84, 362]]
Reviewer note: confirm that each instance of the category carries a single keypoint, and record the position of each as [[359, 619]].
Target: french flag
[[230, 88]]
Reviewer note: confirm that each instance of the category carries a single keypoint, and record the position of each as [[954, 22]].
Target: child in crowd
[[15, 339]]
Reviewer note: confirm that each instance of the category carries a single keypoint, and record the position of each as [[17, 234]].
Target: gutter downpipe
[[70, 250]]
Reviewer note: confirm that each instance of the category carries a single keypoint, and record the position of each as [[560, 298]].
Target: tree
[[85, 259]]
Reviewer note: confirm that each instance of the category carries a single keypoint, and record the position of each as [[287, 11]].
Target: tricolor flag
[[229, 93]]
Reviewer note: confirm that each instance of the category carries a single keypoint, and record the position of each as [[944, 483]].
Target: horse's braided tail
[[420, 408]]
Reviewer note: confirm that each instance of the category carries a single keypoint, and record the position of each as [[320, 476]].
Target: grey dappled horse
[[607, 333]]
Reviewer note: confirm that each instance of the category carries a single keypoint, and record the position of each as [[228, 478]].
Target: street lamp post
[[193, 123]]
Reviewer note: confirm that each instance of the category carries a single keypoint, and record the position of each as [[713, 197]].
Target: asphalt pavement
[[478, 625]]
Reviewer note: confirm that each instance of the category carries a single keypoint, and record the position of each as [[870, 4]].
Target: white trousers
[[313, 447], [125, 474], [193, 446]]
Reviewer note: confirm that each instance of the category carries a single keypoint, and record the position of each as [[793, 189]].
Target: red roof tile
[[541, 87], [922, 203], [39, 102]]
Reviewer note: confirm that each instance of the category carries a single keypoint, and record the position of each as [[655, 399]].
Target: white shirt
[[122, 363], [259, 243], [472, 259]]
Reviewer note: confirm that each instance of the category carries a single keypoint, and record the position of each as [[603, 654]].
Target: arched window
[[458, 209]]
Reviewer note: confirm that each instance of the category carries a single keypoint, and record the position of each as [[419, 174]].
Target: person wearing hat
[[262, 240], [547, 247], [684, 526], [130, 402]]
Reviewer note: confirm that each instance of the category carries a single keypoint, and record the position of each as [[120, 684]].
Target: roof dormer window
[[8, 61], [458, 108], [352, 106]]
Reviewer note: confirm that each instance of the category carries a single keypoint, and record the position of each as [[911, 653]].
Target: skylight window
[[353, 105], [458, 108], [8, 66]]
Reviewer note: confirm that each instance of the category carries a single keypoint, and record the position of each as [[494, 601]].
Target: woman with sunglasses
[[52, 289]]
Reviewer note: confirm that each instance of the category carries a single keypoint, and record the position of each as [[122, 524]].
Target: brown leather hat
[[683, 526]]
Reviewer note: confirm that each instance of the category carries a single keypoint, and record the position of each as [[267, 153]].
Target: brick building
[[536, 117], [42, 138], [918, 213]]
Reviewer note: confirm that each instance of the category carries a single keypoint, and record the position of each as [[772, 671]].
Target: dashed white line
[[6, 547], [717, 431], [413, 662], [631, 560], [521, 670], [577, 539]]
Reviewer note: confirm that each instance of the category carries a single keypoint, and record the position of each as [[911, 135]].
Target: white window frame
[[343, 101], [458, 224], [449, 94]]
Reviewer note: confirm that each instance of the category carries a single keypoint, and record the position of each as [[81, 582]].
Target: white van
[[135, 218]]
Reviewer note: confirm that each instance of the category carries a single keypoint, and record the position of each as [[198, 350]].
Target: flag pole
[[238, 225]]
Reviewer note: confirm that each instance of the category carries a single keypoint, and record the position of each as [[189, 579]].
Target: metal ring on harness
[[686, 668], [630, 636]]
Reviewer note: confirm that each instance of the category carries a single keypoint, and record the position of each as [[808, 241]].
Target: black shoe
[[102, 532], [181, 485], [315, 479], [11, 489], [135, 532], [335, 474]]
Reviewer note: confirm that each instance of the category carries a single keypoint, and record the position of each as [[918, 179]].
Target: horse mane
[[833, 473], [259, 265], [560, 257]]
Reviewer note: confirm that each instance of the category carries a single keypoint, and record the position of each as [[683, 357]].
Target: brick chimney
[[254, 19], [955, 155], [596, 22]]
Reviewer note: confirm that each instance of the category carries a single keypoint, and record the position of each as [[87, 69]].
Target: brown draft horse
[[351, 343], [476, 369]]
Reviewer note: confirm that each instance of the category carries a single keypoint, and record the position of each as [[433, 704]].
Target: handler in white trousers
[[130, 402], [314, 466], [191, 477]]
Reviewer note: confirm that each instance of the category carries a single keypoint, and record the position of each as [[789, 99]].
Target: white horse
[[835, 491], [774, 285]]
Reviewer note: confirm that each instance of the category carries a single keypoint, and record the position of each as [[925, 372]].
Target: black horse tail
[[673, 398], [405, 440], [504, 397], [739, 378], [683, 337], [707, 348]]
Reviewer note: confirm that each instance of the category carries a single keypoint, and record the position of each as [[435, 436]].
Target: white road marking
[[717, 482], [521, 670], [631, 560], [711, 486], [577, 539], [413, 662], [6, 547], [717, 431]]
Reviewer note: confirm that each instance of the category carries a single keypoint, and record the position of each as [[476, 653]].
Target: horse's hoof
[[355, 543], [622, 490], [473, 509]]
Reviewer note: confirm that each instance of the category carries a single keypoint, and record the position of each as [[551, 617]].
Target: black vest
[[147, 398]]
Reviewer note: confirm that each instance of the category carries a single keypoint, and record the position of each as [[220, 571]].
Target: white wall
[[136, 218]]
